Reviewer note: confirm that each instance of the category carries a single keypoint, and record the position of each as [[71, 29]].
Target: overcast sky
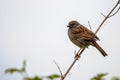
[[36, 31]]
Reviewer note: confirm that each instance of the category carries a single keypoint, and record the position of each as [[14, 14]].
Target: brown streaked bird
[[83, 37]]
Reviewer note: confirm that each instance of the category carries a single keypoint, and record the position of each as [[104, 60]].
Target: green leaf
[[53, 76], [33, 78], [115, 78], [12, 70], [99, 76]]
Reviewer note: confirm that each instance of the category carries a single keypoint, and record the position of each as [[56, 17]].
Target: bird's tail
[[99, 48]]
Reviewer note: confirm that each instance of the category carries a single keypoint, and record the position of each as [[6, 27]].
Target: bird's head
[[73, 24]]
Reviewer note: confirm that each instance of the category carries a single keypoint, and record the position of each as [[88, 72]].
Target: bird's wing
[[86, 33]]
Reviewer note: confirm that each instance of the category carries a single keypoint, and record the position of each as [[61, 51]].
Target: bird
[[83, 37]]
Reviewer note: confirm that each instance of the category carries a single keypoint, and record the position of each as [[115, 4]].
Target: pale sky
[[36, 30]]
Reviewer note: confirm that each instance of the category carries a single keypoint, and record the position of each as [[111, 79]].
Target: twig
[[115, 12], [77, 56], [112, 14], [58, 68], [89, 26], [107, 16], [102, 14]]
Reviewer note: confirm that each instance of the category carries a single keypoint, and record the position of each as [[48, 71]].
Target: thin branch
[[107, 16], [115, 12], [112, 14], [89, 26], [102, 14], [77, 56], [58, 68]]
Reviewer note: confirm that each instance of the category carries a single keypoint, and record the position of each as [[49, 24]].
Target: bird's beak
[[68, 25]]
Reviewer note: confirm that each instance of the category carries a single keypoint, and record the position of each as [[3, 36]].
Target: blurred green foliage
[[32, 78], [115, 78], [53, 76], [22, 70], [13, 70], [99, 76], [26, 77]]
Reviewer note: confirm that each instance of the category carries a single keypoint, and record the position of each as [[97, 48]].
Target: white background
[[36, 31]]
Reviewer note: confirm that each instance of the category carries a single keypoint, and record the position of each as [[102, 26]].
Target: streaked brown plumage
[[83, 37]]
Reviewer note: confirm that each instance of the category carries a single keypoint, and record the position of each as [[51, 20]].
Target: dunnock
[[83, 37]]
